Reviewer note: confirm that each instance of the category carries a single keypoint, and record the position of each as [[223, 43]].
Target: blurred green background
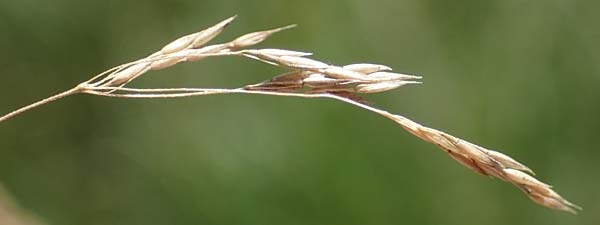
[[519, 76]]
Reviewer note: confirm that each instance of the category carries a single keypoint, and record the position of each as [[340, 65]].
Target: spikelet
[[366, 68], [197, 39], [256, 37]]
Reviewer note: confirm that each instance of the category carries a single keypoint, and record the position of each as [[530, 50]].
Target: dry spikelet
[[192, 55], [549, 202], [467, 162], [179, 44], [366, 68], [389, 76], [341, 73], [198, 39], [256, 37], [286, 61], [491, 163], [317, 80], [382, 86], [208, 34], [508, 161], [525, 179], [299, 62], [164, 63], [127, 74], [297, 75]]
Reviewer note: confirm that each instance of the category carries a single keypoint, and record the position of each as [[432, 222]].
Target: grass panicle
[[308, 78]]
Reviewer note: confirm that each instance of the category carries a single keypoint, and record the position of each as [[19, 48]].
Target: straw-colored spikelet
[[366, 68], [197, 39], [490, 163], [256, 37]]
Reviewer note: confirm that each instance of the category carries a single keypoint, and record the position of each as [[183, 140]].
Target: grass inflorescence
[[307, 78]]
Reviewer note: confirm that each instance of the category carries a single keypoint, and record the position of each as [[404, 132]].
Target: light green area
[[522, 77]]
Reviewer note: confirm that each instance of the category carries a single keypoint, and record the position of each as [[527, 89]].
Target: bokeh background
[[522, 77]]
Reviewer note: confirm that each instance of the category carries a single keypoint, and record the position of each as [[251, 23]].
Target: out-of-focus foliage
[[522, 77]]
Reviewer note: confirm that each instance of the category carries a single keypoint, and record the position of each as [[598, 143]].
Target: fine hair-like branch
[[308, 78]]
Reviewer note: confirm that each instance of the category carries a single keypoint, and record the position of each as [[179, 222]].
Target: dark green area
[[522, 77]]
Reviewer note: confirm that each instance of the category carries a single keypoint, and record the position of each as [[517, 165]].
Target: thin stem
[[196, 92], [41, 102], [189, 92], [152, 90], [406, 123], [409, 125]]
